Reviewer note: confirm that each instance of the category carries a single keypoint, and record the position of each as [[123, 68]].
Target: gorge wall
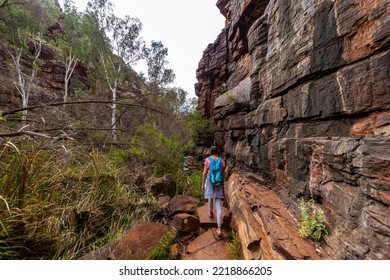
[[299, 92]]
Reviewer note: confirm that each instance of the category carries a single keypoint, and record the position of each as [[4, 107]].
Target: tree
[[24, 80], [23, 34], [155, 56], [7, 3], [74, 43], [123, 38]]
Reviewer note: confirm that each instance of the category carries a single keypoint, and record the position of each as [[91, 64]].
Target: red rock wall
[[315, 119], [49, 82]]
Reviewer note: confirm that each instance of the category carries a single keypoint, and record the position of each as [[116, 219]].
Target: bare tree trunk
[[70, 65], [113, 87], [21, 85], [113, 116]]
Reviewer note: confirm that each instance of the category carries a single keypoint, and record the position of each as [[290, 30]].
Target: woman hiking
[[212, 184]]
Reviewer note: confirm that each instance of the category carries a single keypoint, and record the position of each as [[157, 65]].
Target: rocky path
[[207, 245], [195, 234]]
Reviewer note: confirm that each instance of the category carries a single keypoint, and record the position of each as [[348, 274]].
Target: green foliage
[[164, 152], [194, 180], [175, 98], [313, 222], [155, 56], [19, 21], [197, 126], [229, 97], [62, 204], [78, 93], [234, 245], [118, 157], [74, 43], [59, 200]]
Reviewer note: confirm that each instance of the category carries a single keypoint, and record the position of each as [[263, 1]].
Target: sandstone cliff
[[300, 95]]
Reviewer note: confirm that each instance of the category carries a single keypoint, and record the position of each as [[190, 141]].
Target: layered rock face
[[300, 95]]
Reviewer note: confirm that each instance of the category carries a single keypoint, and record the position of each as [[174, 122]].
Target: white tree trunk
[[23, 88], [113, 116], [113, 87], [70, 65], [20, 82]]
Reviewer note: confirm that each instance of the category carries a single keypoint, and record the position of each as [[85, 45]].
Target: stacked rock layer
[[299, 92]]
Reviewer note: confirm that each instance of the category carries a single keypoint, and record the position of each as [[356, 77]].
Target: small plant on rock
[[161, 251], [234, 245], [313, 222]]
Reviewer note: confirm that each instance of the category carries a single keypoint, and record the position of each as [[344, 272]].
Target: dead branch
[[36, 134], [6, 4], [57, 104]]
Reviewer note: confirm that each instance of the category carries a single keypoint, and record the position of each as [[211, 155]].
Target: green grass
[[62, 200], [161, 251], [57, 204], [194, 180]]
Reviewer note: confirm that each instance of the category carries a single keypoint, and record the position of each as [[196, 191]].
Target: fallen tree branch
[[29, 133], [10, 112], [36, 134], [6, 4]]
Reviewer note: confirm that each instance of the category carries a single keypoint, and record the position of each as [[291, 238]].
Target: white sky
[[185, 27]]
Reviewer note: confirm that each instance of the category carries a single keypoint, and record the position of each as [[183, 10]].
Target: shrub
[[234, 245], [197, 127], [313, 223], [194, 180], [163, 154]]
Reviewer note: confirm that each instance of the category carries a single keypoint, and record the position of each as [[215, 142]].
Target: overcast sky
[[185, 27]]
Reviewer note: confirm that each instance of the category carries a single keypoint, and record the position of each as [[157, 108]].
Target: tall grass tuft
[[58, 203], [161, 251]]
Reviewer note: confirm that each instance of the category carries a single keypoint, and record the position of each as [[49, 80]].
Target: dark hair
[[214, 150]]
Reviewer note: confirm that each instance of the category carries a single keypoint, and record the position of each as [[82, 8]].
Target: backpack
[[216, 176]]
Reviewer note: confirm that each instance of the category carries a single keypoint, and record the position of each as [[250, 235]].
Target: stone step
[[209, 246], [206, 221]]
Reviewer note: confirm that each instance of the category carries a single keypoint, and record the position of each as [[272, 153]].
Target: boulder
[[219, 250], [165, 185], [185, 222], [137, 244], [183, 204]]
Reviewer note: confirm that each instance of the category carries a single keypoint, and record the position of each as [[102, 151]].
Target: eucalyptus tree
[[22, 27], [158, 74], [75, 44], [121, 47], [7, 3]]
